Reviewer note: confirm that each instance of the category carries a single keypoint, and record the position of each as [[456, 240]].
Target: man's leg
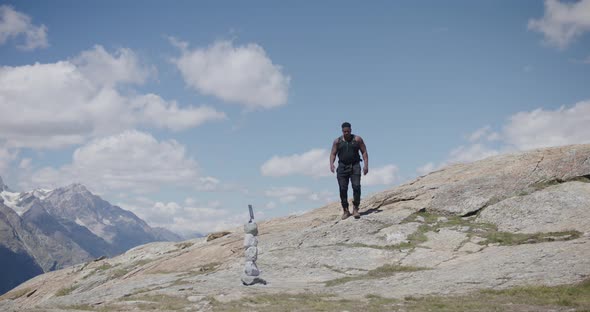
[[355, 180], [343, 186]]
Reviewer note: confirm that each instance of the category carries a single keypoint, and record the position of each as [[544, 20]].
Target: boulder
[[251, 254], [251, 228]]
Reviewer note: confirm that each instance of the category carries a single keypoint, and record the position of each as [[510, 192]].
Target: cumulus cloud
[[290, 194], [563, 22], [7, 156], [14, 24], [287, 194], [153, 110], [469, 153], [483, 133], [191, 217], [543, 128], [270, 205], [238, 74], [385, 175], [524, 131], [104, 68], [67, 102], [313, 163], [131, 161], [426, 169]]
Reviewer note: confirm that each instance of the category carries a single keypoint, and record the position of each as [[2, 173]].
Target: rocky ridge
[[509, 220]]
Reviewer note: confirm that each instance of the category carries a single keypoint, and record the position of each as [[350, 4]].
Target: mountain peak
[[77, 187]]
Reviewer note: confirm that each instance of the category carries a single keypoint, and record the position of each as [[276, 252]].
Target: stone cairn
[[251, 272]]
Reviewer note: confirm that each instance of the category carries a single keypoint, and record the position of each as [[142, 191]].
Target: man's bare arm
[[363, 148], [333, 154]]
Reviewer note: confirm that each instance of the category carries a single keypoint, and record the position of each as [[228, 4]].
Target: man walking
[[347, 148]]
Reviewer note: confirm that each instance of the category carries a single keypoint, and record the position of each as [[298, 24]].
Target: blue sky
[[185, 113]]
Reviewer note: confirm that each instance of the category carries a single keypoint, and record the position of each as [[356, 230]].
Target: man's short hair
[[346, 125]]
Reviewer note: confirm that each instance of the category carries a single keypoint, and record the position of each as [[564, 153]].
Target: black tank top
[[348, 152]]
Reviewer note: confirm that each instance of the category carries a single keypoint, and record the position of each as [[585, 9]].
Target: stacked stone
[[251, 272]]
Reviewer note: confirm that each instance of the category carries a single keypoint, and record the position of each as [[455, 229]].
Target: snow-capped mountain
[[20, 202], [65, 226]]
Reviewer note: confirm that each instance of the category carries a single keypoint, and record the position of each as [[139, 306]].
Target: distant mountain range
[[44, 230]]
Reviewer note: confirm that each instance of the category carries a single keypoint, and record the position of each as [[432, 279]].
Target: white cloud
[[193, 216], [563, 22], [323, 197], [132, 161], [524, 131], [25, 163], [270, 205], [543, 128], [479, 133], [313, 163], [103, 68], [239, 74], [473, 152], [7, 156], [156, 111], [291, 194], [287, 194], [14, 24], [426, 169], [208, 184], [385, 175], [67, 102]]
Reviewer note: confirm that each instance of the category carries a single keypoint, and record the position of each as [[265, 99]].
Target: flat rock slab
[[340, 258], [493, 268], [398, 233], [427, 258], [537, 212], [444, 239]]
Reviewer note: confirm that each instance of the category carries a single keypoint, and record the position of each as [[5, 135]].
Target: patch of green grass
[[119, 272], [429, 218], [360, 245], [83, 307], [585, 179], [142, 262], [161, 302], [334, 269], [184, 245], [537, 186], [180, 282], [88, 307], [526, 298], [413, 240], [207, 268], [16, 294], [487, 231], [66, 291], [523, 298], [304, 302], [380, 272], [105, 266], [511, 239]]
